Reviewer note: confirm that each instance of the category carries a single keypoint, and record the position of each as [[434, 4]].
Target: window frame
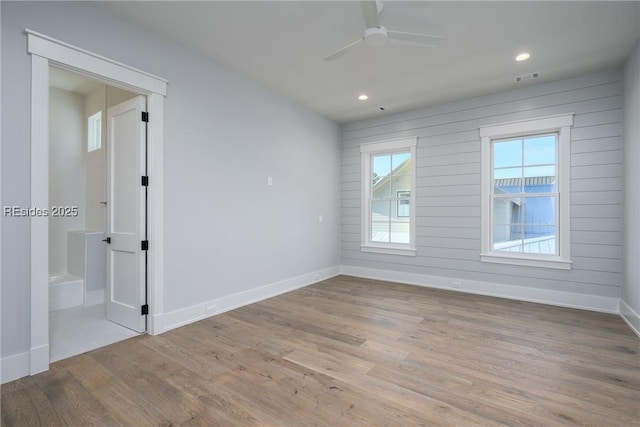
[[367, 150], [403, 199], [561, 125]]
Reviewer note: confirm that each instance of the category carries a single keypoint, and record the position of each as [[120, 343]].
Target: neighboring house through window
[[388, 200], [403, 210], [525, 192]]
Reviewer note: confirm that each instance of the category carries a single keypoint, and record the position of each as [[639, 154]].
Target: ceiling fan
[[377, 35]]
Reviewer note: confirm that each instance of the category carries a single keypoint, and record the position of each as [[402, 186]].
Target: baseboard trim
[[194, 313], [39, 359], [94, 297], [521, 293], [24, 364], [630, 317], [15, 367]]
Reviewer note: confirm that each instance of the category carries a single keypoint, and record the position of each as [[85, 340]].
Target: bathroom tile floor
[[77, 330]]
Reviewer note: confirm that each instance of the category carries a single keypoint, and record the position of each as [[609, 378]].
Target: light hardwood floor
[[349, 352]]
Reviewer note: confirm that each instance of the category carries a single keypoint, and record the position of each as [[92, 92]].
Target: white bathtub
[[85, 280], [65, 291]]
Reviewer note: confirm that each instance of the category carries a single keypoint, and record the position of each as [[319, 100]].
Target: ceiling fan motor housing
[[375, 36]]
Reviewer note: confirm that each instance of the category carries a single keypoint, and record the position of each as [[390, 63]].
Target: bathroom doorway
[[81, 304], [43, 52]]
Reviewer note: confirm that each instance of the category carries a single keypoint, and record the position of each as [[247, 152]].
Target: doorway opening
[[45, 51], [78, 200]]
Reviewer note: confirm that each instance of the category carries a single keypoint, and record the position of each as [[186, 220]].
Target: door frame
[[45, 51]]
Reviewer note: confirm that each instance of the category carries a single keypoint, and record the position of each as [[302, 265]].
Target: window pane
[[400, 224], [400, 183], [524, 225], [94, 132], [506, 210], [502, 233], [540, 150], [539, 211], [381, 165], [381, 221], [404, 208], [502, 240], [544, 243], [507, 153], [507, 181], [540, 184], [537, 171], [507, 173], [382, 189], [400, 163]]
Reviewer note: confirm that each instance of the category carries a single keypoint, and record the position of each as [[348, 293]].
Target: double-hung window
[[388, 196], [525, 192]]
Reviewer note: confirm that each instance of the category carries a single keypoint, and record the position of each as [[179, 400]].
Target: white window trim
[[562, 125], [390, 146]]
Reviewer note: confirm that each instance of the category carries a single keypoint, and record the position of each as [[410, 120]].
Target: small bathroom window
[[95, 132]]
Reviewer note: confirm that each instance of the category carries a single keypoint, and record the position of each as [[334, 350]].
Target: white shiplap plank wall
[[448, 184]]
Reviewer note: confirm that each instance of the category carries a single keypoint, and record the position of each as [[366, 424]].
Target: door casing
[[46, 51]]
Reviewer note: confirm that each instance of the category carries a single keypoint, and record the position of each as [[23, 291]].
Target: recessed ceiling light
[[523, 56], [363, 97]]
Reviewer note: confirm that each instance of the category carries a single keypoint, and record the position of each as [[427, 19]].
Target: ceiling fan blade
[[414, 38], [370, 13], [342, 51]]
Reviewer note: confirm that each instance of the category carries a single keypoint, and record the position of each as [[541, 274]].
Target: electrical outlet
[[456, 285]]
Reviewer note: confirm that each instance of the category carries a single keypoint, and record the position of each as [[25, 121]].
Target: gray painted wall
[[226, 231], [631, 181], [96, 160], [67, 148], [448, 184]]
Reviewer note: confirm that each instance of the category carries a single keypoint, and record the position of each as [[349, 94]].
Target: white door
[[126, 214]]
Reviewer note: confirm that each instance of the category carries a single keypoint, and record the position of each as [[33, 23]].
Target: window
[[525, 192], [388, 199], [94, 126], [524, 196], [404, 203]]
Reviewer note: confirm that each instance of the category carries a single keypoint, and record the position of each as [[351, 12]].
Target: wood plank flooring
[[352, 352]]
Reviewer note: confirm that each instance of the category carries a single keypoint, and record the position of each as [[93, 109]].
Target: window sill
[[389, 250], [554, 263]]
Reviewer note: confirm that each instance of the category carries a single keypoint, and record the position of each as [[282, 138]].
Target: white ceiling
[[281, 45], [72, 82]]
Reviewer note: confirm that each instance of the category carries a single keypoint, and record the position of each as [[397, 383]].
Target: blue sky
[[509, 161], [383, 164]]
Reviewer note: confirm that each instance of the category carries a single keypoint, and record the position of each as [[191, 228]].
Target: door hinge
[[145, 116], [145, 181], [144, 245], [144, 309]]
